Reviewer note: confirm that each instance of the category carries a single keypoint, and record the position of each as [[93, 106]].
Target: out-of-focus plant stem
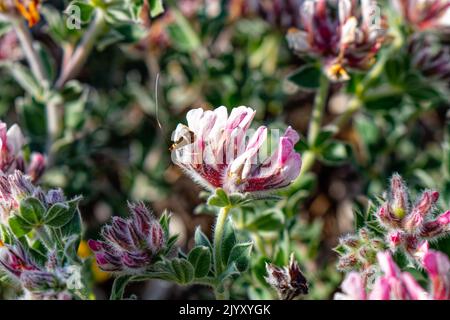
[[83, 49], [218, 243], [318, 109], [315, 125], [33, 58]]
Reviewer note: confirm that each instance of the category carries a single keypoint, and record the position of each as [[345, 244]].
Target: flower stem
[[81, 54], [314, 128], [318, 109], [33, 58], [218, 239]]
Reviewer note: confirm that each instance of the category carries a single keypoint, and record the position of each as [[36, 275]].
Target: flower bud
[[399, 197], [39, 281], [14, 259], [413, 222], [36, 167], [348, 262], [436, 227], [129, 244], [289, 282]]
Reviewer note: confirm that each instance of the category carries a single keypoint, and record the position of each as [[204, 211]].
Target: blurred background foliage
[[140, 82]]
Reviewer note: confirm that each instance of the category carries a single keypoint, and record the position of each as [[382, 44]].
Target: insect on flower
[[218, 151]]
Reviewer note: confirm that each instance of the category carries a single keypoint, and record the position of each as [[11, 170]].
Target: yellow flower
[[85, 252]]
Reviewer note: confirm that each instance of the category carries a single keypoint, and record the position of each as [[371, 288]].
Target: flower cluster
[[214, 150], [16, 187], [407, 227], [424, 14], [11, 156], [349, 39], [358, 252], [289, 282], [28, 9], [430, 58], [38, 283], [129, 245], [396, 285], [282, 13], [410, 226]]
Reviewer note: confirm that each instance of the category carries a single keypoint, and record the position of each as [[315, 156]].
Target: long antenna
[[156, 101]]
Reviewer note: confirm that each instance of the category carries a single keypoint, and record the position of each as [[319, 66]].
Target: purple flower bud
[[289, 282], [423, 14], [387, 218], [37, 166], [399, 197], [11, 143], [413, 222], [129, 245], [39, 281], [54, 196], [15, 260], [395, 239], [214, 150], [436, 227]]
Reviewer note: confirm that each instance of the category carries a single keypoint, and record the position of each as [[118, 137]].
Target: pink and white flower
[[348, 39], [424, 14], [218, 151]]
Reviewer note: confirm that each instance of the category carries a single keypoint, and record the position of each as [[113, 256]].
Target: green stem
[[318, 109], [79, 57], [33, 58], [218, 238]]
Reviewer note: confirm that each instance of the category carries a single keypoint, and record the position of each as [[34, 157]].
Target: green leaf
[[156, 8], [219, 198], [183, 270], [228, 240], [240, 255], [200, 259], [73, 227], [307, 77], [270, 220], [119, 286], [383, 102], [26, 80], [19, 226], [181, 33], [58, 215], [334, 153], [229, 272], [201, 239], [395, 70], [32, 211], [323, 136], [71, 249]]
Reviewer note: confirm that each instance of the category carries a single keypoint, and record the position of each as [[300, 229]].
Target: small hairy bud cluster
[[129, 245]]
